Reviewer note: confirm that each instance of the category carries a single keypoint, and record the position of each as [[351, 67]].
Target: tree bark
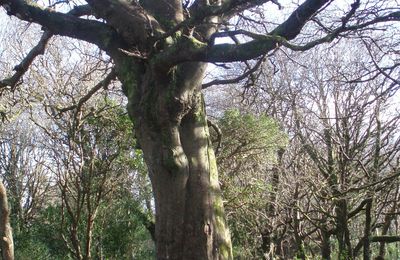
[[7, 244], [300, 254], [171, 128], [385, 229], [268, 236], [342, 231], [325, 244], [367, 230]]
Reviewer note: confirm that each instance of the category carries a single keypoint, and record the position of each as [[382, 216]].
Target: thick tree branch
[[147, 222], [136, 26], [23, 66], [296, 21], [194, 50], [63, 24], [264, 43], [202, 10], [39, 49], [170, 12], [81, 10], [358, 209], [227, 8], [288, 30], [234, 80], [386, 239]]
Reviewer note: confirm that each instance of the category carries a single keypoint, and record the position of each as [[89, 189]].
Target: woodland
[[199, 129]]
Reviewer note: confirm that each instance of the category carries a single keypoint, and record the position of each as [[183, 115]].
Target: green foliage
[[43, 239], [33, 249], [249, 147], [109, 173], [250, 137], [392, 250], [123, 234], [119, 234]]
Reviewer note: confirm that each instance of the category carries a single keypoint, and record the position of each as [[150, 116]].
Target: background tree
[[36, 137], [246, 157], [323, 94], [22, 167]]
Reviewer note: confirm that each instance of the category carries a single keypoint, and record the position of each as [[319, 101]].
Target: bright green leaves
[[247, 136], [249, 147]]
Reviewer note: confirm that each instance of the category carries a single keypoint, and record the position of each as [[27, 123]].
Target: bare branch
[[219, 134], [23, 66], [136, 26], [262, 44], [102, 84], [39, 49], [234, 80], [381, 71], [360, 207], [386, 239], [63, 24]]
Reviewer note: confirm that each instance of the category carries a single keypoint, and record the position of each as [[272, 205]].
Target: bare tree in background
[[344, 141]]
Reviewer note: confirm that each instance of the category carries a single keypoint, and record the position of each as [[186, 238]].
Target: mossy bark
[[171, 128]]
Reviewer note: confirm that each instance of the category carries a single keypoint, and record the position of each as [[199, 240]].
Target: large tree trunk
[[171, 127], [7, 244]]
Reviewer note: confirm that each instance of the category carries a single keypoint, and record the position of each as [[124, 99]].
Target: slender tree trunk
[[171, 127], [89, 236], [385, 229], [367, 230], [266, 241], [75, 242], [7, 244], [268, 238], [300, 254], [342, 232], [325, 245]]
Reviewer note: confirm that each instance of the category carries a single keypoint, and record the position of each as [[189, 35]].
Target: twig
[[23, 66], [219, 134], [234, 80], [102, 84]]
